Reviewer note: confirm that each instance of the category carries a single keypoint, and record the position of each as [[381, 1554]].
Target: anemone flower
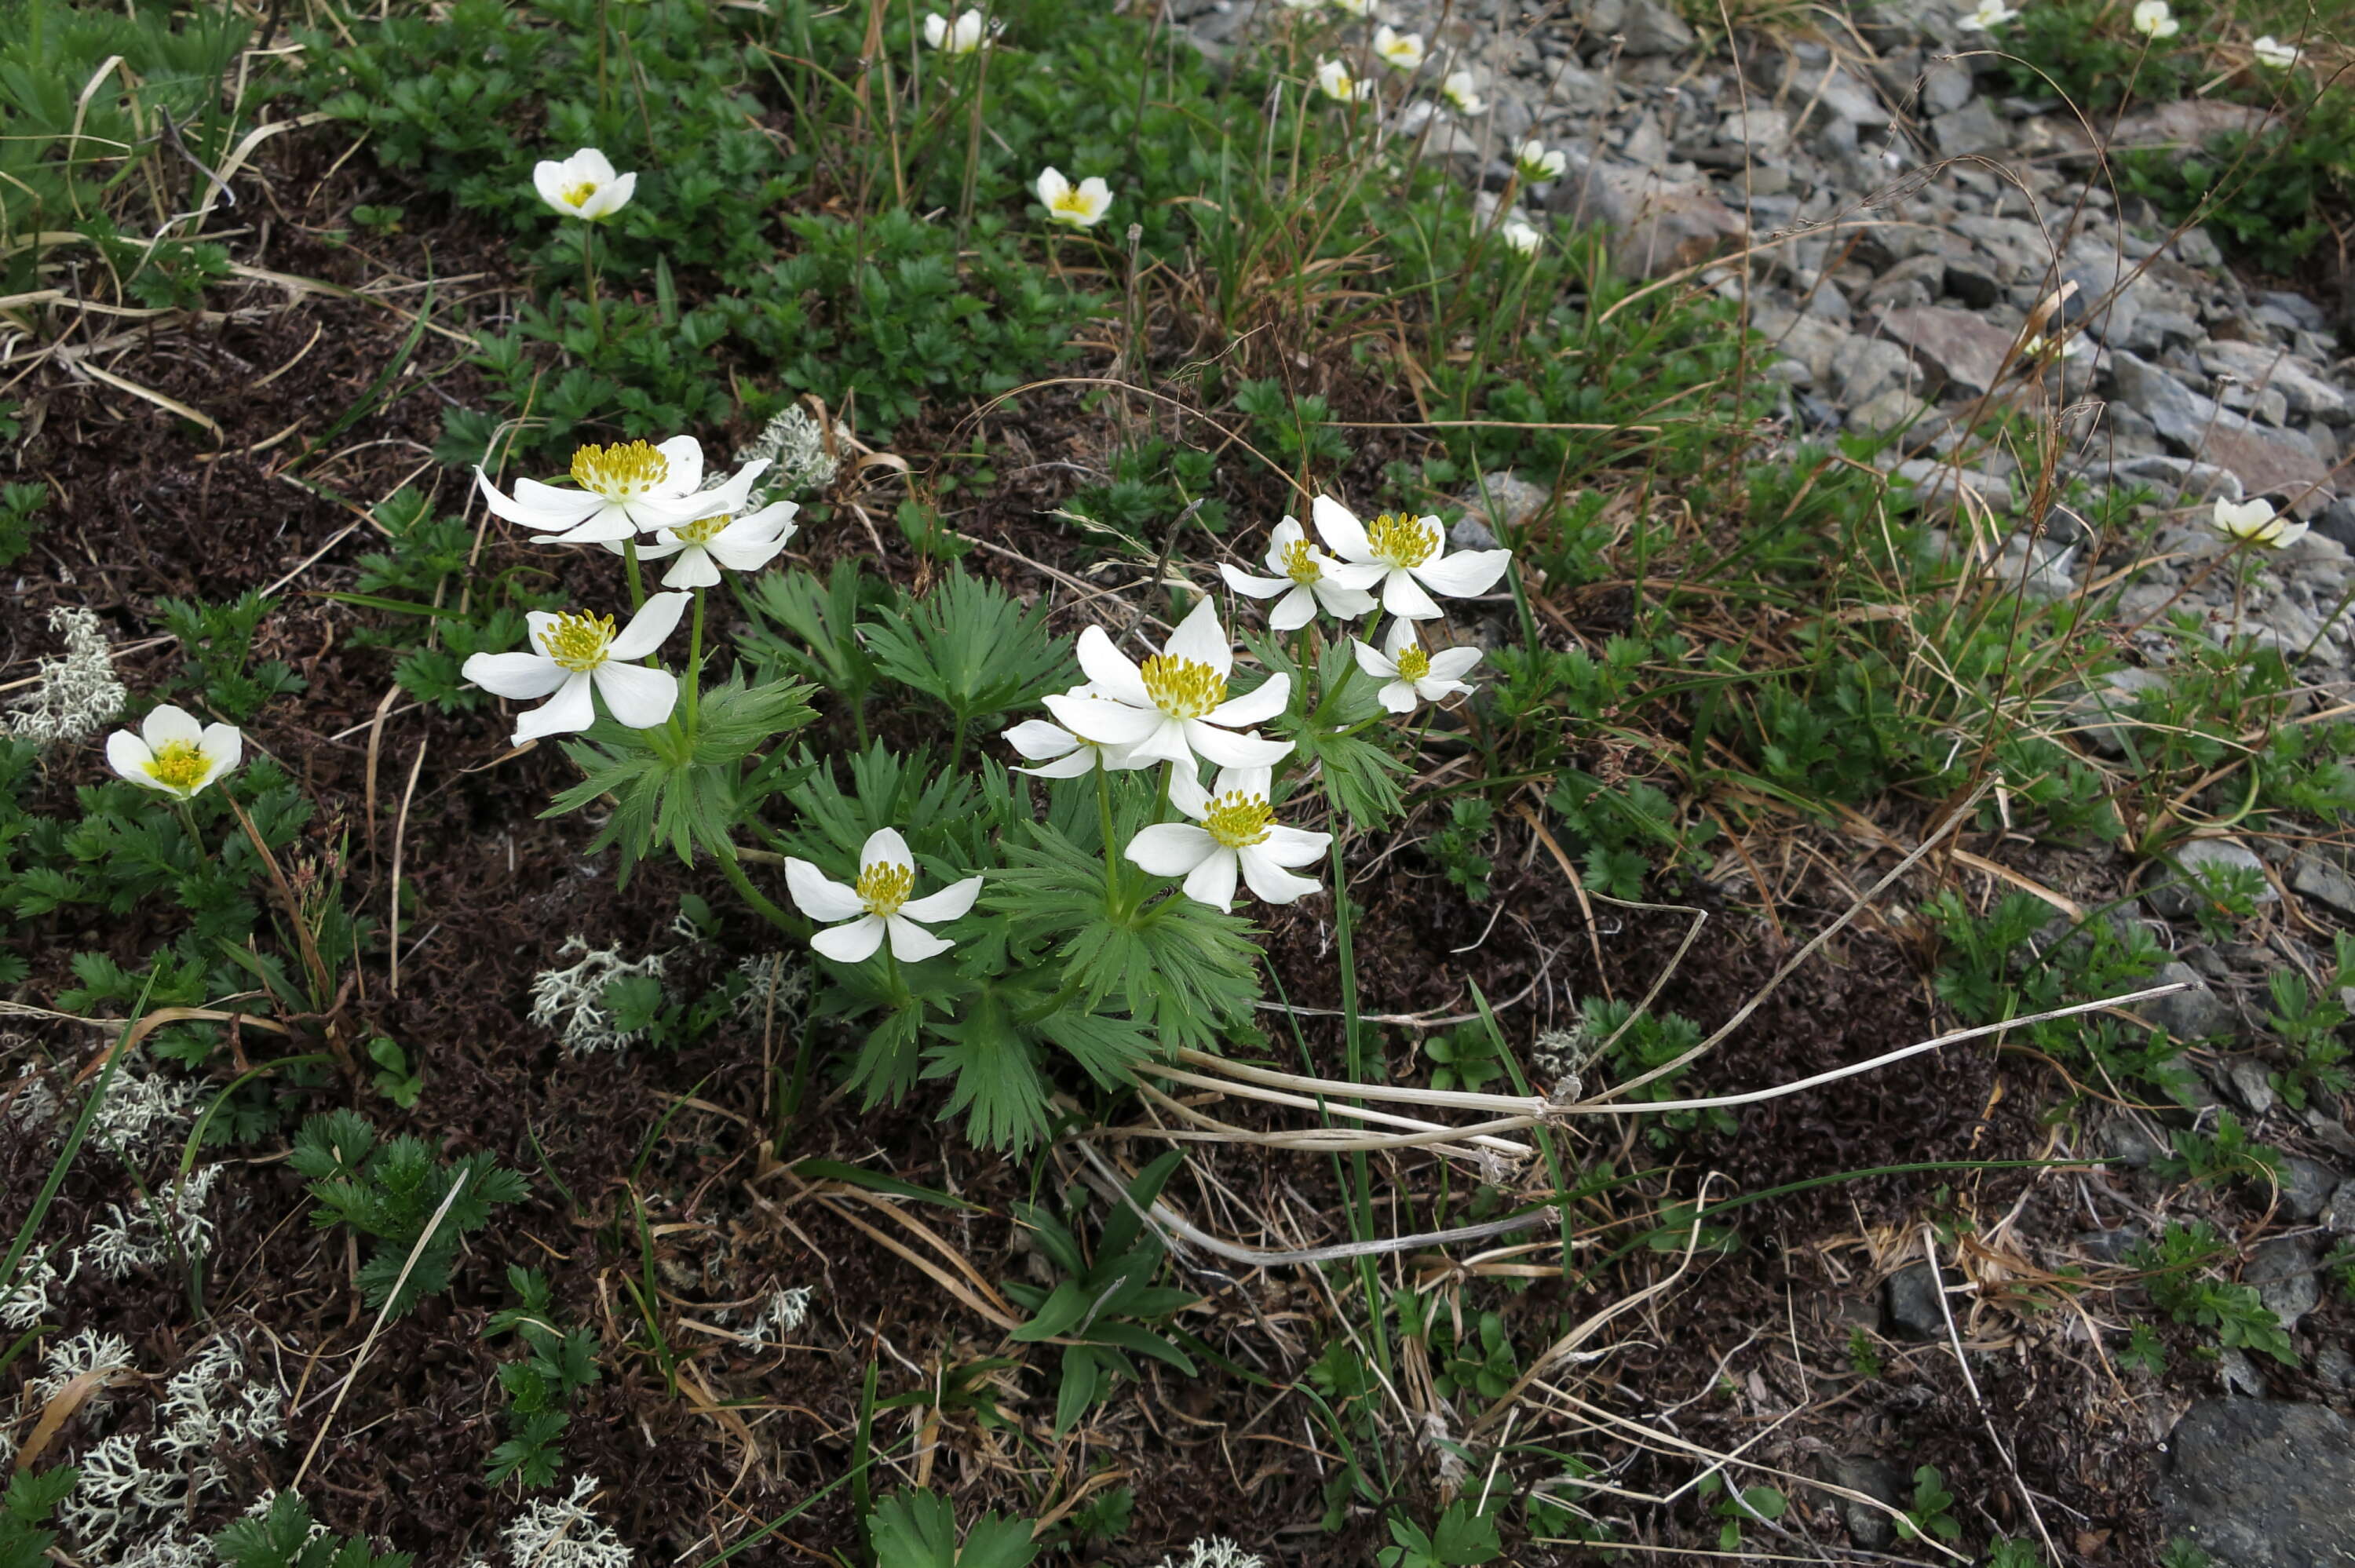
[[625, 489], [573, 651], [1408, 674], [2272, 53], [1522, 235], [1400, 51], [2152, 19], [1235, 833], [1462, 92], [1536, 162], [1081, 206], [1406, 556], [1354, 7], [174, 753], [878, 905], [1065, 754], [1175, 707], [961, 36], [2257, 523], [1990, 15], [1303, 576], [1333, 78], [584, 186], [744, 544]]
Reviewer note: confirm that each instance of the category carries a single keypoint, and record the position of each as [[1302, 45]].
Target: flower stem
[[1104, 820], [588, 280], [637, 582], [1362, 1176], [791, 925], [694, 665]]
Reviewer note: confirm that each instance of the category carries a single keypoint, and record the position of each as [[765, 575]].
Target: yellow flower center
[[622, 472], [703, 530], [884, 888], [1072, 202], [1413, 664], [1398, 540], [178, 765], [1236, 820], [1300, 562], [578, 641], [574, 195], [1181, 688]]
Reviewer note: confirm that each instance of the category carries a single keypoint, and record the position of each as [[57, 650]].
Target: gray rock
[[2334, 1368], [1864, 367], [2196, 859], [2157, 330], [1946, 86], [2251, 1084], [2266, 462], [1499, 506], [2189, 1015], [1867, 1527], [2306, 1187], [1909, 1302], [2240, 1374], [2338, 1215], [2282, 1269], [2317, 878], [1652, 28], [2131, 1144], [1895, 410], [2191, 483], [1938, 485], [1974, 279], [1958, 345], [2262, 1483], [1973, 128]]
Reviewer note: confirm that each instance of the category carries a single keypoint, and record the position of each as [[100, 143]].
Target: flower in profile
[[174, 753], [961, 36], [2037, 346], [1990, 15], [1536, 162], [2273, 53], [2257, 523], [1354, 7], [1304, 576], [1235, 833], [1400, 51], [1333, 78], [1065, 754], [743, 544], [584, 186], [1462, 92], [1405, 555], [573, 651], [1175, 707], [624, 489], [1081, 206], [1410, 674], [2152, 19], [1522, 235], [1301, 5], [878, 905]]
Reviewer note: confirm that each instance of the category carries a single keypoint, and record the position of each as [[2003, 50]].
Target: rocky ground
[[1909, 228]]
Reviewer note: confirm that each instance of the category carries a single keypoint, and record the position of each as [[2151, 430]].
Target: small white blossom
[[1175, 707], [549, 1534], [74, 695], [744, 544], [1462, 92], [1406, 556], [1521, 235], [1237, 835], [1400, 51], [2256, 521], [1990, 15], [575, 653], [961, 36], [1081, 206], [584, 186], [1303, 576], [2272, 53], [1333, 80], [878, 905], [172, 754], [1412, 676], [1065, 754], [1360, 8], [2152, 19], [1538, 161], [625, 489]]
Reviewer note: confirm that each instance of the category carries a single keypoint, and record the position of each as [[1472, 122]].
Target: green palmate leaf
[[809, 630], [917, 1529], [1360, 772], [24, 1508], [286, 1537], [996, 1071], [970, 646]]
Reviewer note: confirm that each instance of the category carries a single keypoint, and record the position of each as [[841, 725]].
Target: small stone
[[2174, 890], [1864, 367], [1651, 28], [2334, 1368], [2283, 1271], [2197, 1013], [1973, 128], [2131, 1144], [1868, 1528], [1975, 281], [2317, 878], [2306, 1187], [1910, 1300], [2338, 1215], [1895, 410], [1960, 346], [2240, 1374], [2251, 1084], [2265, 462], [1946, 86], [2194, 248]]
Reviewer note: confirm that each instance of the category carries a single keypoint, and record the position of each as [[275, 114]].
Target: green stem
[[1104, 820], [589, 281], [694, 665], [1369, 1278], [791, 925], [637, 582]]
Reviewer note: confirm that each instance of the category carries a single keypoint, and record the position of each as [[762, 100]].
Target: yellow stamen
[[1300, 562], [578, 641], [622, 472], [575, 195], [1398, 540], [1413, 664], [1075, 204], [703, 530], [178, 765], [1236, 820], [883, 887], [1181, 688]]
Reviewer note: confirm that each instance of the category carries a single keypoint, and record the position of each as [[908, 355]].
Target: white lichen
[[553, 1534], [75, 695], [25, 1300], [211, 1404], [76, 1355], [795, 446], [1558, 1058], [1213, 1551], [775, 986], [31, 1102], [142, 1113], [573, 1001], [162, 1226], [781, 1314]]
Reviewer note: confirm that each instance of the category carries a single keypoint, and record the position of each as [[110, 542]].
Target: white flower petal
[[224, 747], [1111, 722], [1171, 849], [1200, 640], [1295, 610], [1039, 740], [948, 903], [1261, 703], [911, 944], [569, 710], [1242, 582], [166, 725], [818, 896], [1451, 664], [1340, 601], [1230, 750], [1464, 572], [1213, 880], [637, 697], [884, 846], [1342, 533], [1269, 882], [656, 620], [1185, 792], [1294, 846], [1110, 670], [1168, 742], [694, 568], [1398, 697], [1401, 595], [129, 755], [1378, 665], [851, 944]]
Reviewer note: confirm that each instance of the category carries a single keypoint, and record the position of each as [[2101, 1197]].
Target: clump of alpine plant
[[799, 456], [570, 999], [75, 695]]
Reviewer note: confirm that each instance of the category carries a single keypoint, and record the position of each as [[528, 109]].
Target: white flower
[[1354, 7], [627, 488], [1462, 92], [1536, 162], [2037, 346], [1991, 13], [2151, 19], [1067, 755], [1405, 555], [1333, 80], [2271, 51], [743, 544], [878, 904], [2257, 523], [575, 651], [174, 753], [961, 36], [1301, 5], [584, 185], [1400, 51], [1238, 832], [1413, 676], [1303, 576], [1517, 233], [1175, 707], [1081, 206]]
